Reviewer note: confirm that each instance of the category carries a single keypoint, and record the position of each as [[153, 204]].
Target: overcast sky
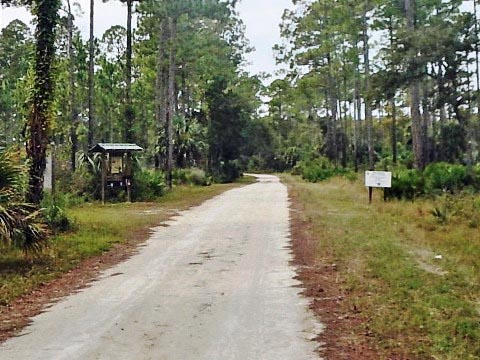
[[261, 17]]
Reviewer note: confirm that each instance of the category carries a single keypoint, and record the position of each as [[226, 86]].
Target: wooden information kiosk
[[116, 165]]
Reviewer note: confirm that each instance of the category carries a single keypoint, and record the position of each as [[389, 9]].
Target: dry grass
[[417, 306]]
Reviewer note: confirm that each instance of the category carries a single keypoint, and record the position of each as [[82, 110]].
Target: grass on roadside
[[419, 305], [97, 228]]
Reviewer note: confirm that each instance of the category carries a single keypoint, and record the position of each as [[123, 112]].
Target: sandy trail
[[215, 284]]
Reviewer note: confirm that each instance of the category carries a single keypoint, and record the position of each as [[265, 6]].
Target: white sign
[[380, 179]]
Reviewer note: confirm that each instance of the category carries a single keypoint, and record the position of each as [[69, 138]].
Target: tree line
[[174, 86], [380, 82], [370, 84]]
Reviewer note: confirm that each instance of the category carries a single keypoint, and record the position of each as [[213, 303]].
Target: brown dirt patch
[[17, 314], [346, 334]]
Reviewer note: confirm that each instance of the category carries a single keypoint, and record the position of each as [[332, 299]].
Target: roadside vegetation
[[410, 275]]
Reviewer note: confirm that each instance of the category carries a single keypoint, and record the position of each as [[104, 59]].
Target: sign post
[[377, 179]]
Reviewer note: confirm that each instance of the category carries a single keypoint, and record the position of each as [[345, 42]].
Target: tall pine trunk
[[128, 132], [40, 114], [357, 114], [91, 86], [427, 124], [417, 123], [393, 106], [392, 96], [161, 92], [332, 146], [73, 91], [477, 65], [171, 101], [368, 106]]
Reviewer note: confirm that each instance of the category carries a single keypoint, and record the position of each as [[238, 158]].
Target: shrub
[[197, 177], [444, 177], [85, 184], [475, 177], [315, 170], [54, 213], [192, 176], [256, 163], [351, 176], [227, 172], [147, 185], [406, 184], [56, 218], [180, 176]]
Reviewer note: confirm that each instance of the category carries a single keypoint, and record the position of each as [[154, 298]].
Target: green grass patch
[[96, 229], [417, 305]]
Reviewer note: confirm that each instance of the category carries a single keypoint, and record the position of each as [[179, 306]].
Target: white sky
[[261, 17]]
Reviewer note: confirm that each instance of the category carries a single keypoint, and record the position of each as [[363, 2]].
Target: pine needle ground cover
[[407, 272]]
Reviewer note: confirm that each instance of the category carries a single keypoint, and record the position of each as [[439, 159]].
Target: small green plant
[[198, 177], [475, 177], [180, 176], [406, 184], [444, 177], [315, 170], [440, 214], [351, 176], [54, 213], [148, 185], [57, 219], [20, 222]]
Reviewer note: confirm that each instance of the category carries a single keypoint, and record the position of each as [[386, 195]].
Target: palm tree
[[20, 223]]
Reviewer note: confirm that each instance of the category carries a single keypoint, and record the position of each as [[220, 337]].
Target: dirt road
[[215, 284]]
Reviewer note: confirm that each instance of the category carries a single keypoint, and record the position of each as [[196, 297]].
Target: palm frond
[[9, 172], [20, 223]]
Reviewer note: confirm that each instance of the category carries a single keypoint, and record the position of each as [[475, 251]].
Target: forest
[[372, 84], [387, 85]]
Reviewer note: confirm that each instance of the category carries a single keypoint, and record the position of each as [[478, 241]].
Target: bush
[[85, 184], [315, 170], [193, 176], [256, 163], [406, 184], [180, 176], [197, 177], [444, 177], [351, 176], [227, 172], [147, 185], [475, 177], [56, 218], [54, 214]]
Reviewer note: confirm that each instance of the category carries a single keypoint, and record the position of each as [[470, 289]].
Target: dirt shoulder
[[345, 335]]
